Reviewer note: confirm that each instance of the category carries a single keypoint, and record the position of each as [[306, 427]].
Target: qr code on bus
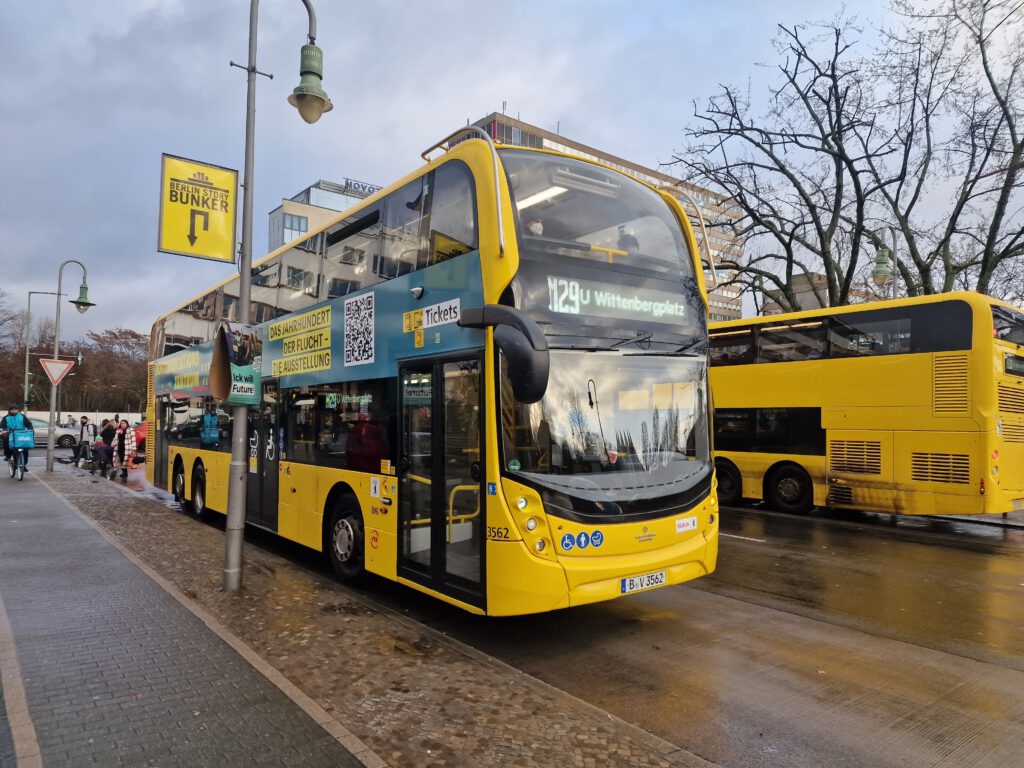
[[359, 330]]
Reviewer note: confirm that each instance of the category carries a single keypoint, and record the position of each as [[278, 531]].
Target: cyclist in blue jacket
[[14, 419]]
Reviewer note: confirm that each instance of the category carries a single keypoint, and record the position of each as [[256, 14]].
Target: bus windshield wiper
[[636, 339], [693, 349]]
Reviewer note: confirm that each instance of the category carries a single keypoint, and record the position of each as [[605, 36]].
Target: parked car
[[140, 441], [66, 438]]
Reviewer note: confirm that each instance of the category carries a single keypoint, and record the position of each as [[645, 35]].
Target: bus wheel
[[199, 492], [790, 490], [730, 484], [345, 541], [178, 487]]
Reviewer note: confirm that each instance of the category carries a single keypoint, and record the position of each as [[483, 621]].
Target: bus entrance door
[[159, 437], [264, 454], [441, 506]]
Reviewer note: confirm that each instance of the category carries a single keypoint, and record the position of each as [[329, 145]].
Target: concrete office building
[[725, 302], [313, 206]]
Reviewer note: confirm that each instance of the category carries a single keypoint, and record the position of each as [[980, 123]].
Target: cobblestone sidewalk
[[411, 694]]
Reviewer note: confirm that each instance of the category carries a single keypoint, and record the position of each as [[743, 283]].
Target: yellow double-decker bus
[[487, 381], [911, 407]]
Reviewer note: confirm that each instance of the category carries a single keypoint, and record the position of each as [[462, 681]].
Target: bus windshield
[[598, 245], [610, 429]]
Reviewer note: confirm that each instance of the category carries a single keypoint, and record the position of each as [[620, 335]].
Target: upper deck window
[[589, 212], [601, 255], [934, 327]]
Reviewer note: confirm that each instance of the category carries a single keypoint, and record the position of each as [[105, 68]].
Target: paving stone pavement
[[116, 672], [416, 697]]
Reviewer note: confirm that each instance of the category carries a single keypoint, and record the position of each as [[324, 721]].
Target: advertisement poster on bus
[[235, 371]]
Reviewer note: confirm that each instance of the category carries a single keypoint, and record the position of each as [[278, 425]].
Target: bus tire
[[178, 486], [790, 490], [345, 544], [730, 483], [199, 492]]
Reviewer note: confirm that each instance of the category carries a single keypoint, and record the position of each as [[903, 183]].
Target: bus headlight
[[521, 502], [540, 545], [531, 524], [711, 519]]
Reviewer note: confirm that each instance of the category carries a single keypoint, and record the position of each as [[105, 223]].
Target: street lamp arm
[[312, 21]]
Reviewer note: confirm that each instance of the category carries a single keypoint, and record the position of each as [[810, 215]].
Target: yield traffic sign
[[56, 369]]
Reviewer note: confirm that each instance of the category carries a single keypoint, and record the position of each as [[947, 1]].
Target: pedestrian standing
[[124, 446], [107, 429], [86, 437]]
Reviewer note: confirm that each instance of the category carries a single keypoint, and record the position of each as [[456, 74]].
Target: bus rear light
[[995, 455], [981, 489]]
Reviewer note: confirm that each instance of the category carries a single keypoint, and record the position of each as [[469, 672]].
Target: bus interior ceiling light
[[309, 97], [540, 197], [82, 303]]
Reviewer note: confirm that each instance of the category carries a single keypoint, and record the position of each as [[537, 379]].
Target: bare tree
[[923, 136], [948, 169]]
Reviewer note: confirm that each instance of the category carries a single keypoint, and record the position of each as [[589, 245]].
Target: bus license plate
[[639, 583]]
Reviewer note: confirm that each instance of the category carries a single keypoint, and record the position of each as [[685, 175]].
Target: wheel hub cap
[[789, 489], [344, 540]]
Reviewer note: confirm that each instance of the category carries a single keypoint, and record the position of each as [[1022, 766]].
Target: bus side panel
[[861, 461], [940, 476]]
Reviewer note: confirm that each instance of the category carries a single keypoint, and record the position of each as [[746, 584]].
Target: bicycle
[[17, 463]]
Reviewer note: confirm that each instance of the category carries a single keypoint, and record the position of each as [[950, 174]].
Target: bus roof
[[971, 297]]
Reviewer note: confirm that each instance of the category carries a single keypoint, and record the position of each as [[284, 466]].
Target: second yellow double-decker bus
[[913, 407], [487, 381]]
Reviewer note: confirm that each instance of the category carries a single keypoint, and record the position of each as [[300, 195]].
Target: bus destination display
[[572, 296]]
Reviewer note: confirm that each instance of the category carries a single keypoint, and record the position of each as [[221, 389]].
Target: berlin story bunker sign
[[197, 209]]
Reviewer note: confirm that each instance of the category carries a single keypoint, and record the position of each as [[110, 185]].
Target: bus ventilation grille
[[1013, 433], [940, 467], [839, 494], [862, 457], [949, 385], [1011, 400]]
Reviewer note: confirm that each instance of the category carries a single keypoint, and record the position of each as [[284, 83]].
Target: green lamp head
[[308, 97], [882, 270], [82, 303]]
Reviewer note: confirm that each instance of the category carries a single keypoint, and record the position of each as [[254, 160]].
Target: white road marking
[[745, 538]]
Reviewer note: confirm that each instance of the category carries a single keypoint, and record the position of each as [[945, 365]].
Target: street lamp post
[[882, 271], [28, 339], [311, 101], [82, 304]]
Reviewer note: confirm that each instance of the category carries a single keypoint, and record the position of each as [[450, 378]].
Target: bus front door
[[441, 506], [264, 454], [158, 432]]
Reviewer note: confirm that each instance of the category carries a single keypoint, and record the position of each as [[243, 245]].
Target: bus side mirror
[[522, 341]]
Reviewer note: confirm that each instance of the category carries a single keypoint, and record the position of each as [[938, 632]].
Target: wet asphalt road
[[816, 643]]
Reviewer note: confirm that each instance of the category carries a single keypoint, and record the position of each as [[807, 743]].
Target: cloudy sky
[[93, 93]]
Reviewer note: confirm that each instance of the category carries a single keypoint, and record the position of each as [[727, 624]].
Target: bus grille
[[1013, 433], [949, 385], [861, 457], [1011, 399], [839, 494], [940, 467]]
